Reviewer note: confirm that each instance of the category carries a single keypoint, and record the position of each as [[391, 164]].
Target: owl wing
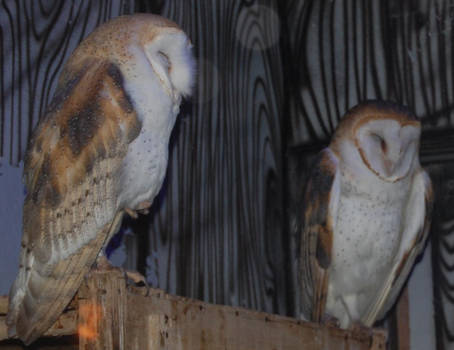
[[70, 209], [320, 209], [418, 215]]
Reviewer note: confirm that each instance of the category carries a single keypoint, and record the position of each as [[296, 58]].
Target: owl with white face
[[101, 150], [367, 214]]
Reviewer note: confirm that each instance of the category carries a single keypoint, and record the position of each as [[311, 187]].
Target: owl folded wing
[[418, 215], [70, 173], [320, 208]]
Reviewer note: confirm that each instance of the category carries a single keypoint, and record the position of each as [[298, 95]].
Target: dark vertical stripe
[[2, 93]]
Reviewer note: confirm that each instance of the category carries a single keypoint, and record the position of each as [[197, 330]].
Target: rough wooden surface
[[103, 302], [112, 315], [65, 325]]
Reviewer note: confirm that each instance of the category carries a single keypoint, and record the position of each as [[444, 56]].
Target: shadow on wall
[[11, 202]]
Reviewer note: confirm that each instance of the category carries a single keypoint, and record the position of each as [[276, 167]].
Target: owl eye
[[380, 140], [164, 60]]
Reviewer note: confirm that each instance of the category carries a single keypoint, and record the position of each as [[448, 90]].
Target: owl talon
[[142, 208], [143, 211], [145, 205], [359, 330], [138, 279], [103, 264], [132, 213], [330, 321]]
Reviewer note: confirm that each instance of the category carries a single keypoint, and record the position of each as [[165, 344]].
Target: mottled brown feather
[[70, 173], [317, 237]]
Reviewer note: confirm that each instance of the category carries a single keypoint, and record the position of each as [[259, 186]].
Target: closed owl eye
[[380, 140], [164, 60]]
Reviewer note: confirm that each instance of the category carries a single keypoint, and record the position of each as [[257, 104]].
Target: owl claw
[[138, 279], [142, 208], [103, 264], [358, 329], [330, 321], [132, 213]]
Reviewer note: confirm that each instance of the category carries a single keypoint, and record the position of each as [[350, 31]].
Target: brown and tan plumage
[[317, 239], [367, 210], [100, 150]]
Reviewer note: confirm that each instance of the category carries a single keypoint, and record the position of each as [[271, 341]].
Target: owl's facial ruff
[[388, 147], [170, 57]]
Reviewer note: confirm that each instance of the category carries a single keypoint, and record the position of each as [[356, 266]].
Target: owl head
[[379, 137], [147, 38]]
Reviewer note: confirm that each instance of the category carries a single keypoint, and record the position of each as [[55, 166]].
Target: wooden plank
[[162, 321], [109, 315], [403, 321], [65, 325], [102, 309]]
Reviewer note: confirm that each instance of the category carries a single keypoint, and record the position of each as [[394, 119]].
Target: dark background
[[274, 78]]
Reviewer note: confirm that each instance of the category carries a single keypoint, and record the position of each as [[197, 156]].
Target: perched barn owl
[[100, 150], [367, 211]]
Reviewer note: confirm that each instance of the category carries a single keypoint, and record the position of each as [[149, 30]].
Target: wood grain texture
[[102, 307], [403, 327], [341, 53], [112, 315], [218, 233], [36, 39], [442, 255], [222, 228]]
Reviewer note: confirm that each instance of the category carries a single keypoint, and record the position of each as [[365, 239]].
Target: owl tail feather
[[40, 306], [35, 308]]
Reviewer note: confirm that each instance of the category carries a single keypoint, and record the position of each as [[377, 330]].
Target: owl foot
[[142, 208], [102, 263], [137, 279], [330, 321], [132, 213], [359, 330]]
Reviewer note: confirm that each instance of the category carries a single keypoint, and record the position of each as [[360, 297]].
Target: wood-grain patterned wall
[[274, 78], [338, 53], [36, 39], [218, 234]]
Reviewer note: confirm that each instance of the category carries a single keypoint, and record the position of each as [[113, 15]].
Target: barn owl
[[101, 150], [367, 213]]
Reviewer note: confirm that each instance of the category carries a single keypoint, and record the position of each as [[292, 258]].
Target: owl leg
[[359, 329], [102, 263], [330, 320], [132, 213], [142, 208]]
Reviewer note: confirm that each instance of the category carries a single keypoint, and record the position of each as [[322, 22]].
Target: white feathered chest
[[145, 164], [366, 217], [367, 231]]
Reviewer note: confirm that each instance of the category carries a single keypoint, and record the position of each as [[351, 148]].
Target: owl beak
[[392, 159], [389, 166]]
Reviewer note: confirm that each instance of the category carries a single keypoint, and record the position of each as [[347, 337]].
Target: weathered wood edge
[[67, 324]]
